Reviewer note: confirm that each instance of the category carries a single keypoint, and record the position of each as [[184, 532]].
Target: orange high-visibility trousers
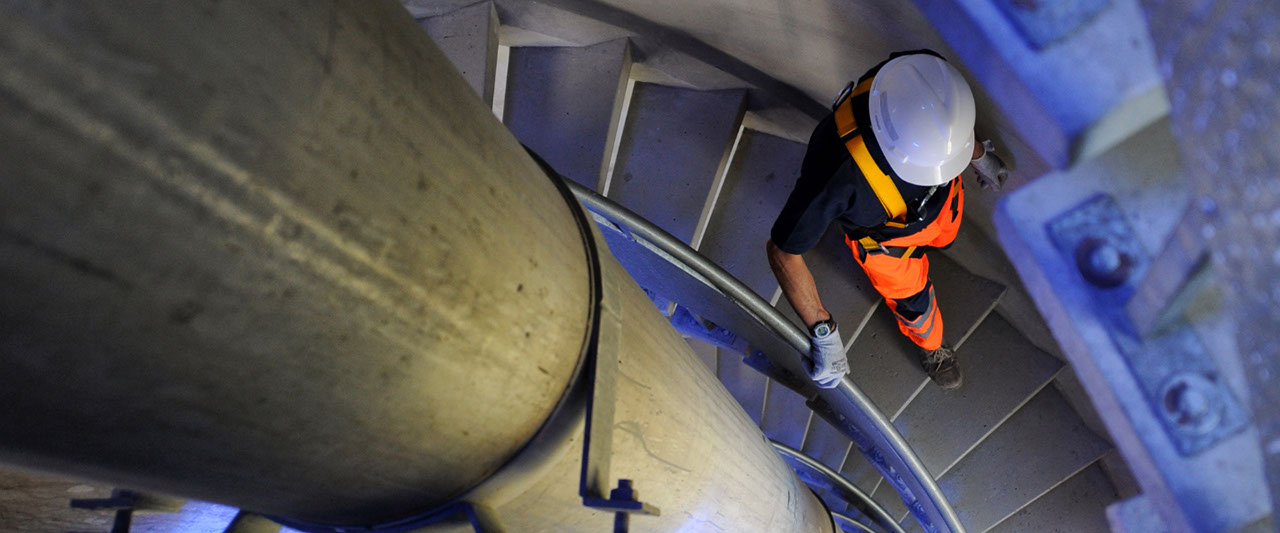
[[904, 281]]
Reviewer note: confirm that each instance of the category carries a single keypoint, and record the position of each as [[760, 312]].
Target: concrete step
[[786, 417], [842, 507], [743, 382], [761, 175], [862, 474], [564, 103], [706, 353], [964, 298], [469, 38], [886, 365], [1039, 447], [1002, 370], [824, 443], [842, 285], [1077, 506], [674, 147], [893, 504]]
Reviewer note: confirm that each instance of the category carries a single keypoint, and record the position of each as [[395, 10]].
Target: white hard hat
[[922, 114]]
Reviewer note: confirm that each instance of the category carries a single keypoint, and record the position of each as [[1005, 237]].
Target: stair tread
[[1002, 369], [743, 382], [842, 285], [1041, 445], [760, 177], [785, 416], [673, 145], [561, 100], [964, 298], [892, 503], [826, 444], [1079, 505], [884, 363], [468, 37], [858, 470]]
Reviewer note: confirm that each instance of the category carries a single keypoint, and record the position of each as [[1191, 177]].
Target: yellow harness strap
[[844, 111], [888, 194], [881, 183]]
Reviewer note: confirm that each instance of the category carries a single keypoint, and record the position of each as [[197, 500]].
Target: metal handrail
[[845, 395], [842, 519], [876, 512]]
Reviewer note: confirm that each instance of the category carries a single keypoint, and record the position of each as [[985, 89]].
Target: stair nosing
[[717, 184], [911, 398], [501, 81], [871, 310], [615, 144], [1047, 491], [808, 426], [1000, 423], [982, 317], [617, 120]]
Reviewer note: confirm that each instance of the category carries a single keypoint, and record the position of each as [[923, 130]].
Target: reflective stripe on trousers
[[902, 280]]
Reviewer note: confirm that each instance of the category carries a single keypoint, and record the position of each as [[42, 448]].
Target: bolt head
[[1190, 402], [1102, 263], [1105, 258]]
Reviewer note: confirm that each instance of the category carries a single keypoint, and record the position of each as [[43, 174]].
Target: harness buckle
[[848, 89]]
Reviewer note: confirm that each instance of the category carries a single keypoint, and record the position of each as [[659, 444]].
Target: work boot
[[942, 367]]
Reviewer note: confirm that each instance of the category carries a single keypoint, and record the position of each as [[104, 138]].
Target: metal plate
[[1181, 383]]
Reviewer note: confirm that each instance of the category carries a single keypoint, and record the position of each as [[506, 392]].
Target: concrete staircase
[[711, 159]]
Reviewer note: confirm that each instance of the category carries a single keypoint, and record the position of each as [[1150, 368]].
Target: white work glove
[[989, 168], [829, 363]]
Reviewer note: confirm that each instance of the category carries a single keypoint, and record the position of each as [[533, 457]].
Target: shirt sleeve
[[812, 206]]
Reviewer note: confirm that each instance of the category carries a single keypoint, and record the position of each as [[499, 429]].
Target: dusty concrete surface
[[1221, 63], [33, 502], [229, 257]]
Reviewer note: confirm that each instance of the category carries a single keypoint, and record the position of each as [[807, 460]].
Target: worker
[[885, 165]]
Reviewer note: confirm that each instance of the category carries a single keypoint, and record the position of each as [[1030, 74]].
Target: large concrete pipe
[[275, 254]]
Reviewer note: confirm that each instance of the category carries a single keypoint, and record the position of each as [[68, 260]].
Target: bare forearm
[[797, 285]]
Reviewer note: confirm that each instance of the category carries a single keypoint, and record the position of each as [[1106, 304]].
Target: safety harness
[[881, 183]]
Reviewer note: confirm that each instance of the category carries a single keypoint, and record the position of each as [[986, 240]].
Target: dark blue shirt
[[831, 188]]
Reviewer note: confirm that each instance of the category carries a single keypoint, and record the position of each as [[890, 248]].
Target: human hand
[[990, 169], [829, 363]]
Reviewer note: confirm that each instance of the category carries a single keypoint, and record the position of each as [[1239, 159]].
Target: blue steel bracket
[[689, 324], [877, 459], [759, 361], [1181, 383], [123, 502], [623, 503], [119, 499]]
